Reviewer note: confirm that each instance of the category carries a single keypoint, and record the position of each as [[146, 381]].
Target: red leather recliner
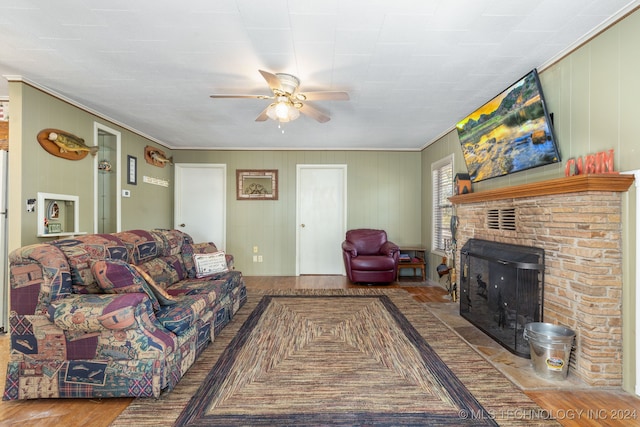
[[369, 257]]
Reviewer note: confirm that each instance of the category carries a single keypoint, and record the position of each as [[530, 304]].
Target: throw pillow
[[119, 277], [161, 271], [163, 297], [195, 248], [210, 264]]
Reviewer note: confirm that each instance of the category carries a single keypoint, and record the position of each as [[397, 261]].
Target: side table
[[414, 259]]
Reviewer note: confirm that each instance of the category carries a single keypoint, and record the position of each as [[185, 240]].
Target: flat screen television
[[510, 133]]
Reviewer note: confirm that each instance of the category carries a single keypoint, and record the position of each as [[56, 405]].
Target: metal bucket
[[550, 347]]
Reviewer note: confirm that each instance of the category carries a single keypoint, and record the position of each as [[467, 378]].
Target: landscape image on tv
[[510, 133]]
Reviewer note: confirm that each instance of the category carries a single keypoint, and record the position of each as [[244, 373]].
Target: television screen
[[510, 133]]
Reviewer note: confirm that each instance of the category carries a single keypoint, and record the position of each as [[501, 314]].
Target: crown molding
[[63, 98], [605, 25]]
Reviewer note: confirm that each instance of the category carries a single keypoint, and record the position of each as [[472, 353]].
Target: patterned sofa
[[122, 314]]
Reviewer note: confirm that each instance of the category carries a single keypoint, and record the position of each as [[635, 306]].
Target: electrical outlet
[[255, 249], [255, 258], [259, 258]]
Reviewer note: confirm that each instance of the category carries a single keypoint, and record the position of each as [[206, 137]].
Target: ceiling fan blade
[[272, 80], [314, 114], [242, 96], [325, 96], [263, 116]]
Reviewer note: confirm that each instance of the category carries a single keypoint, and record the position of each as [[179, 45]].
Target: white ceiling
[[413, 68]]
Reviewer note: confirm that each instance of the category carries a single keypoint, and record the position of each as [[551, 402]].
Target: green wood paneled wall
[[383, 191], [593, 93]]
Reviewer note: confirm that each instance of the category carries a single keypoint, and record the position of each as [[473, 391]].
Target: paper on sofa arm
[[209, 264]]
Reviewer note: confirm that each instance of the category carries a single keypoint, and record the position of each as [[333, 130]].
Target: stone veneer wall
[[581, 236]]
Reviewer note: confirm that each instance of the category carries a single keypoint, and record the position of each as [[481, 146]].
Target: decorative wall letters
[[601, 162]]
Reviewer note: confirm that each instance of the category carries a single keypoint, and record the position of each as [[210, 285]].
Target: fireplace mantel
[[572, 184]]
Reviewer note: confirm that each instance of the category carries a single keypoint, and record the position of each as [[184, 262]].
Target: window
[[442, 189]]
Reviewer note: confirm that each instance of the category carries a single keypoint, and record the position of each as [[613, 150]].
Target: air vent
[[501, 219]]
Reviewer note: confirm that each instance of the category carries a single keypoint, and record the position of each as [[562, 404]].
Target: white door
[[107, 186], [322, 218], [201, 202]]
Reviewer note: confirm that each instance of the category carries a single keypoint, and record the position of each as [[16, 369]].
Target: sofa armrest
[[389, 248], [350, 248], [100, 312]]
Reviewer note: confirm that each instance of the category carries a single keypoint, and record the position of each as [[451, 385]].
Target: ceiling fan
[[288, 103]]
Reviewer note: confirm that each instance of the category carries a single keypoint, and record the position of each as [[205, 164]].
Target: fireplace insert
[[501, 290]]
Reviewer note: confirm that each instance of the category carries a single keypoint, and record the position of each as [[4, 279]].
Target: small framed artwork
[[132, 170], [257, 184]]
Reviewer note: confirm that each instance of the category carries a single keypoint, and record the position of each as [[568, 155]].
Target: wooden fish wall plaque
[[156, 157], [64, 144]]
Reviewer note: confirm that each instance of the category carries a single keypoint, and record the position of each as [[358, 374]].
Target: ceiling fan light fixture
[[294, 113], [288, 103], [283, 111], [271, 111]]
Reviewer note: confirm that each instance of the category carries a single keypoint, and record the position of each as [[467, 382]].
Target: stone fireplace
[[577, 222]]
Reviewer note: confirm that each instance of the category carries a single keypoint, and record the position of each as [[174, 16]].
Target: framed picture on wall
[[132, 170], [258, 184]]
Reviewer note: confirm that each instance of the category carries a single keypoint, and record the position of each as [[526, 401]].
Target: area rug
[[337, 357]]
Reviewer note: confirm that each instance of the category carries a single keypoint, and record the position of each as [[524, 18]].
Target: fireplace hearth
[[501, 290]]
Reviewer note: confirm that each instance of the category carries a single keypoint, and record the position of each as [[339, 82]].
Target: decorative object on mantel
[[462, 184], [571, 184], [64, 144], [261, 184], [156, 157], [601, 162]]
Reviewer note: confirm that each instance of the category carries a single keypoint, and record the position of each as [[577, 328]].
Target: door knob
[[302, 225], [182, 225]]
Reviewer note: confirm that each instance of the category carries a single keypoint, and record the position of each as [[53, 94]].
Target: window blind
[[442, 181]]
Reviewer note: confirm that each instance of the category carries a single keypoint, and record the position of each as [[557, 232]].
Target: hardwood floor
[[593, 407]]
